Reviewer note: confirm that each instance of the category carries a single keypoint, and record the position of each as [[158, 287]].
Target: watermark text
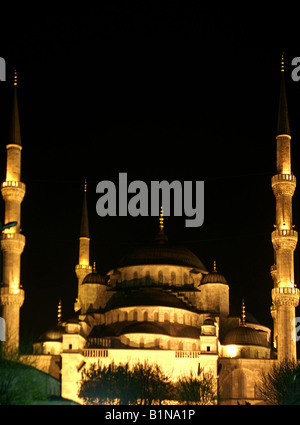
[[188, 199]]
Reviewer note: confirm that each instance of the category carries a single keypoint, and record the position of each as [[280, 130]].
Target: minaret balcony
[[12, 242], [11, 296], [286, 238], [283, 184], [85, 267], [82, 270], [285, 296], [284, 177], [13, 190]]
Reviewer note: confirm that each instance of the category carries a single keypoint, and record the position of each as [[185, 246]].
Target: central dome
[[161, 252]]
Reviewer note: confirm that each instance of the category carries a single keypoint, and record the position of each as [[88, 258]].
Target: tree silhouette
[[119, 384], [281, 384], [200, 389]]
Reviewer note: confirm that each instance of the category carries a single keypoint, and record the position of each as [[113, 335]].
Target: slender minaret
[[285, 295], [12, 241], [83, 267]]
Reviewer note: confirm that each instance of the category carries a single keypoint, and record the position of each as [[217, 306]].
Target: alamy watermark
[[2, 70], [296, 71], [296, 329], [2, 329], [188, 199]]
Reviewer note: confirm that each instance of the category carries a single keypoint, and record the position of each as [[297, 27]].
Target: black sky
[[161, 92]]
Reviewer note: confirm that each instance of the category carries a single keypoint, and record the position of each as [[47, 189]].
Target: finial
[[243, 323], [215, 266], [161, 219], [94, 267], [59, 313], [15, 77], [85, 186], [282, 62]]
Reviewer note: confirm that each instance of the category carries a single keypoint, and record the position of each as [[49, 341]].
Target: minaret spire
[[283, 124], [84, 228], [12, 241], [15, 132], [285, 295], [83, 267]]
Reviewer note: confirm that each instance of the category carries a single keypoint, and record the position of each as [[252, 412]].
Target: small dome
[[209, 322], [53, 334], [214, 277], [244, 335], [94, 278]]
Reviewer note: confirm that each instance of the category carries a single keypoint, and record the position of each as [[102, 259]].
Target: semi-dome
[[244, 335], [162, 253], [145, 327], [159, 328], [145, 297]]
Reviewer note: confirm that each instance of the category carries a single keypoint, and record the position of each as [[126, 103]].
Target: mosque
[[159, 302]]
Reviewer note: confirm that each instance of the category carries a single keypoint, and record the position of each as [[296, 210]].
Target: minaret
[[83, 267], [285, 295], [12, 241]]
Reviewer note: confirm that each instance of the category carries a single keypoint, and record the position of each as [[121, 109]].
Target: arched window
[[173, 278], [142, 343], [125, 316], [156, 317], [160, 277], [175, 317], [145, 317], [180, 346], [147, 278], [166, 317], [242, 385], [135, 315]]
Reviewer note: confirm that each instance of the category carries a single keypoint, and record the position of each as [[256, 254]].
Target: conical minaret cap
[[283, 124], [84, 228], [15, 132]]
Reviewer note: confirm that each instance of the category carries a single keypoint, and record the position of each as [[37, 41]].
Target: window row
[[159, 277], [156, 316]]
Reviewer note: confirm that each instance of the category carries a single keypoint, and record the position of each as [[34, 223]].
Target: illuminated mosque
[[159, 303]]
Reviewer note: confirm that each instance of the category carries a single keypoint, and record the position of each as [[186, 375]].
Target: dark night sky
[[160, 93]]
